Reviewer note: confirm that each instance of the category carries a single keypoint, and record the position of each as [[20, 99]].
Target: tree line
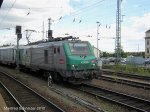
[[124, 54]]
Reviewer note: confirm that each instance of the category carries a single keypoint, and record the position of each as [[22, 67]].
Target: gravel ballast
[[70, 106]]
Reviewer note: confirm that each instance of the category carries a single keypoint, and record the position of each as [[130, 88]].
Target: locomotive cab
[[81, 62]]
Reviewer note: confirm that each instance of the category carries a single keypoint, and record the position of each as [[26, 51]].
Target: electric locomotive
[[65, 59]]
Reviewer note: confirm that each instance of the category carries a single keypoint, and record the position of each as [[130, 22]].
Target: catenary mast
[[118, 32]]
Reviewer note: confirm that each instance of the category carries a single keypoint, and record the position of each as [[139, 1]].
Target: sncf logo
[[61, 61], [85, 62]]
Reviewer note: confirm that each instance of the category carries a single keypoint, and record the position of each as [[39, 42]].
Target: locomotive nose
[[82, 63]]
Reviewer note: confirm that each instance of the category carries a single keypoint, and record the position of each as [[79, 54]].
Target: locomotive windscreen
[[79, 48]]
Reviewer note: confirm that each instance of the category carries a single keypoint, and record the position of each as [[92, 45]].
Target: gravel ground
[[68, 105], [123, 88], [41, 86]]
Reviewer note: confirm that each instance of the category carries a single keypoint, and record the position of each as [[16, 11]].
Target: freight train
[[65, 60]]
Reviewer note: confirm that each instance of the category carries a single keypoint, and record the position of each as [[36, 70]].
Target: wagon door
[[28, 57], [59, 58]]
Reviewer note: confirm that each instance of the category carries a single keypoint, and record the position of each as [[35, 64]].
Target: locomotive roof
[[7, 47], [55, 43], [15, 47], [52, 43], [41, 44]]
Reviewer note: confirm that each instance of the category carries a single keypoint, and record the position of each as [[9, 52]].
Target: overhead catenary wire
[[87, 7], [74, 19], [80, 20], [75, 13], [90, 6]]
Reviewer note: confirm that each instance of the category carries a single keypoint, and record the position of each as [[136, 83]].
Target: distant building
[[97, 50], [147, 44]]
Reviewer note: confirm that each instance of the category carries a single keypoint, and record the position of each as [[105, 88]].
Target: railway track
[[135, 80], [135, 76], [131, 102], [26, 98], [87, 104]]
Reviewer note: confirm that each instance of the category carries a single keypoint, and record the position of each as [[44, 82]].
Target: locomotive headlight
[[73, 66], [93, 65]]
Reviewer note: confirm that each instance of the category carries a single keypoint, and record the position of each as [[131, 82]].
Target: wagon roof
[[8, 47]]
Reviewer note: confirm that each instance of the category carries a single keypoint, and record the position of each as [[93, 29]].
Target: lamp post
[[98, 24]]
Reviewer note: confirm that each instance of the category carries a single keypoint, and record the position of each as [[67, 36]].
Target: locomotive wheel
[[57, 78]]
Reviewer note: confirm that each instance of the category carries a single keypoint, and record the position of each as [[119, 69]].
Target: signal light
[[18, 29]]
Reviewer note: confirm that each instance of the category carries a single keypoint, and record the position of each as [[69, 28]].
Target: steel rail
[[131, 102], [136, 76], [29, 93], [126, 82], [18, 103], [76, 99]]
